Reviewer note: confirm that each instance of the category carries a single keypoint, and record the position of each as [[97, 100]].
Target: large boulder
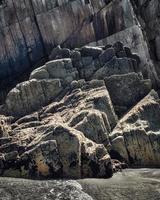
[[59, 152], [94, 125], [31, 95], [61, 69], [42, 160], [126, 90], [115, 66], [134, 41], [90, 95], [65, 139], [79, 155], [136, 137]]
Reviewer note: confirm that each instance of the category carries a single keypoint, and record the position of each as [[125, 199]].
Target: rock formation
[[69, 135], [136, 136], [79, 85]]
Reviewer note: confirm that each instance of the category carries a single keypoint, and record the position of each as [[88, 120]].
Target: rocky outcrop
[[126, 90], [62, 69], [75, 124], [61, 121], [136, 136], [62, 139], [29, 30], [31, 95]]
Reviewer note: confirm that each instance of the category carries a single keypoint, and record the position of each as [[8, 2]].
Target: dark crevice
[[23, 35], [39, 31]]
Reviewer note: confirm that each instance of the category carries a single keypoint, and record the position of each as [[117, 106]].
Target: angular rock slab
[[31, 95], [133, 38], [136, 138], [126, 90], [61, 69]]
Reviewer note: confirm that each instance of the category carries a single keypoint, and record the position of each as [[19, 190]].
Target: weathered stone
[[128, 89], [54, 53], [136, 137], [11, 156], [133, 38], [113, 67], [61, 68], [77, 147], [118, 46], [44, 160], [93, 124], [31, 95], [88, 68], [91, 51], [107, 55]]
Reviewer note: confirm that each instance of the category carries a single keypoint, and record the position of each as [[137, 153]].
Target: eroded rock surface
[[62, 122], [62, 139], [136, 136]]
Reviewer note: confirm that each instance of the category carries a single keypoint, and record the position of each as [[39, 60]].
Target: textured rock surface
[[31, 95], [126, 90], [42, 189], [71, 23], [30, 30], [62, 69], [136, 136], [62, 122], [62, 139]]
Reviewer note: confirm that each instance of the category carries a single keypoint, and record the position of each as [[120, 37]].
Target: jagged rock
[[60, 152], [59, 52], [88, 51], [128, 89], [133, 38], [5, 126], [40, 26], [77, 151], [115, 66], [65, 138], [43, 160], [93, 124], [31, 95], [61, 68], [136, 136], [78, 111], [107, 55]]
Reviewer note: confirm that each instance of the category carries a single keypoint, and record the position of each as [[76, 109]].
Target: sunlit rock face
[[61, 140], [136, 136], [63, 122]]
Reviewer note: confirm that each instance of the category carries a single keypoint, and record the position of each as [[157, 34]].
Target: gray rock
[[91, 51], [31, 95], [43, 160], [118, 46], [93, 124], [128, 89], [61, 68], [114, 67], [136, 137], [107, 55], [55, 52]]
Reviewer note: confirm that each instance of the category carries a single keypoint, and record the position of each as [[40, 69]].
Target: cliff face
[[29, 30]]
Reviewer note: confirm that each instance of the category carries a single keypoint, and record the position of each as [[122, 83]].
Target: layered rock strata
[[59, 125]]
